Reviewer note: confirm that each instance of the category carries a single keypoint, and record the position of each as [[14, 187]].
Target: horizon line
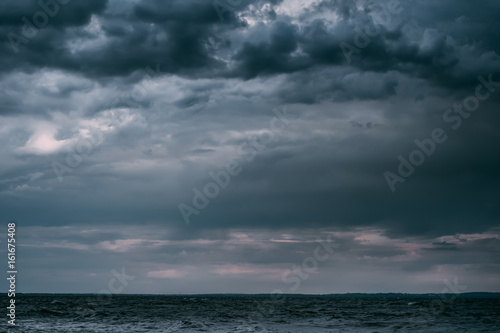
[[259, 294]]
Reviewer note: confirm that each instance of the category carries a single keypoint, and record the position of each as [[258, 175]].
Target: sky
[[237, 146]]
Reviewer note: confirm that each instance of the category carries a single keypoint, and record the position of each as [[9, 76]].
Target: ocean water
[[257, 313]]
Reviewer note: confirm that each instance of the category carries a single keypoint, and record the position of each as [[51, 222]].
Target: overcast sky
[[116, 116]]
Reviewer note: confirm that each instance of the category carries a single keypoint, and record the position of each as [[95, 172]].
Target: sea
[[67, 313]]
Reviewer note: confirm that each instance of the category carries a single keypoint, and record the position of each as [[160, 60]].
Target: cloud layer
[[115, 112]]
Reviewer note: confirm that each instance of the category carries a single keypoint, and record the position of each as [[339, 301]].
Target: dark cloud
[[59, 14], [115, 112], [270, 58]]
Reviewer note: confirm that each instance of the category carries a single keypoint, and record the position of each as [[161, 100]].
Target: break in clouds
[[209, 146]]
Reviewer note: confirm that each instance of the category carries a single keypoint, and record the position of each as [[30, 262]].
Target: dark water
[[138, 313]]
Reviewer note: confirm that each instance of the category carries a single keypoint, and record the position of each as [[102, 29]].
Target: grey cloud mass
[[113, 113]]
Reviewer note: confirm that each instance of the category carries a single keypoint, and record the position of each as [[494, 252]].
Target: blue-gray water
[[236, 313]]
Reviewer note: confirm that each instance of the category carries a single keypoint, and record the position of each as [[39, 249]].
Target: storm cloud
[[116, 113]]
